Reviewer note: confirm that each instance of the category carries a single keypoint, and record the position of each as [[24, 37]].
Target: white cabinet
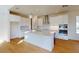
[[40, 39], [56, 21], [61, 36]]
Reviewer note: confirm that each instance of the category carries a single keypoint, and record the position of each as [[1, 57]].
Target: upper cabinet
[[14, 18], [56, 20]]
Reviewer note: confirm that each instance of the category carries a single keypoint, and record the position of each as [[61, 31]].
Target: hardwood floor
[[20, 46], [66, 46]]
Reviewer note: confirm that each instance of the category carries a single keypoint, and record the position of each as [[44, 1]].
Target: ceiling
[[42, 9]]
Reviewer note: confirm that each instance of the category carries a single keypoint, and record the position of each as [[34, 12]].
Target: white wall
[[72, 25], [4, 23], [14, 18]]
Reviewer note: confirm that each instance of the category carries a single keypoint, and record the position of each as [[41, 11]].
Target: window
[[77, 24]]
